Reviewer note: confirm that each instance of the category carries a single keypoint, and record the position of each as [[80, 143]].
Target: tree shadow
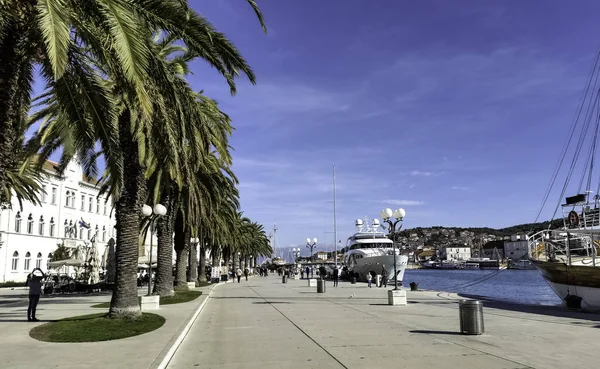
[[271, 302], [450, 333]]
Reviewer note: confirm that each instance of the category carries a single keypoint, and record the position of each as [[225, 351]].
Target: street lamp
[[158, 211], [311, 245], [387, 215]]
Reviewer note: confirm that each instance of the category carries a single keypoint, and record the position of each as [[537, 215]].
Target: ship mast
[[334, 221]]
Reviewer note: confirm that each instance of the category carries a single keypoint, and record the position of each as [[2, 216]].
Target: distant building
[[319, 256], [456, 252], [515, 247]]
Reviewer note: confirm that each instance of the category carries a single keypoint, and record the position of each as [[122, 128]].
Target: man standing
[[336, 275], [246, 272], [384, 277], [34, 282]]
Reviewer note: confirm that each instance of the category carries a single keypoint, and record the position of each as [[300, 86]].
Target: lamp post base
[[397, 297]]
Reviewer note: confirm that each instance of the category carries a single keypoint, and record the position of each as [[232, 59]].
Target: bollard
[[284, 279], [471, 317], [320, 286]]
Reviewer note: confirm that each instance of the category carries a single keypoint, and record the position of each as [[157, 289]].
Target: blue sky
[[454, 110]]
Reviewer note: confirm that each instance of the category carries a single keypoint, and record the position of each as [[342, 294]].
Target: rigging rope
[[567, 143]]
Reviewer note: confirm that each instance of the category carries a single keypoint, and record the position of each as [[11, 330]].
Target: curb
[[167, 359]]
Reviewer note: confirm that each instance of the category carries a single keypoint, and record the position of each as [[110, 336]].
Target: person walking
[[307, 272], [384, 277], [369, 279], [246, 272], [238, 274], [336, 275], [34, 282]]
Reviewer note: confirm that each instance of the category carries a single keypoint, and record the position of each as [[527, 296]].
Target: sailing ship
[[369, 251], [567, 254]]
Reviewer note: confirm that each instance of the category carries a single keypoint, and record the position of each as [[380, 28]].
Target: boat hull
[[582, 281], [375, 263]]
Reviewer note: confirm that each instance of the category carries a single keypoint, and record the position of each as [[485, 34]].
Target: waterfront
[[521, 286]]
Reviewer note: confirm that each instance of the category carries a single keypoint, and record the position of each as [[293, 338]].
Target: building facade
[[71, 213], [456, 253], [516, 247]]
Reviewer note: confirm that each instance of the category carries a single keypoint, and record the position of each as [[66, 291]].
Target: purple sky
[[454, 110]]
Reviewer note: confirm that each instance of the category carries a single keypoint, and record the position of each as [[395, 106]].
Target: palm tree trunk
[[216, 258], [16, 65], [202, 276], [193, 263], [164, 234], [124, 302], [182, 247]]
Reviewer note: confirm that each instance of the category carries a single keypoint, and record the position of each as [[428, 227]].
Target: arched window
[[18, 222], [27, 260], [68, 199], [52, 227], [15, 261], [41, 227], [104, 234], [30, 223], [38, 261], [73, 199]]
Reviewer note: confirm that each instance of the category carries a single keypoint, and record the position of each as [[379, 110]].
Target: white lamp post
[[158, 211], [386, 215]]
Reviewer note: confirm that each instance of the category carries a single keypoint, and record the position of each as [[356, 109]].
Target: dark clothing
[[239, 277], [336, 275], [33, 302]]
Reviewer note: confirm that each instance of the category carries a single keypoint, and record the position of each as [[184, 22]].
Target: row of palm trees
[[116, 91]]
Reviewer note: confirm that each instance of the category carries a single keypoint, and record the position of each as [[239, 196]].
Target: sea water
[[520, 286]]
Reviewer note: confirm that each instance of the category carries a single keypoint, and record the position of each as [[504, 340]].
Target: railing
[[561, 246]]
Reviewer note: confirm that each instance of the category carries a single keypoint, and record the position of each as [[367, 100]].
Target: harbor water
[[519, 286]]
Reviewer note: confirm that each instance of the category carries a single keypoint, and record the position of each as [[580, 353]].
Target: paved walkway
[[18, 350], [266, 324]]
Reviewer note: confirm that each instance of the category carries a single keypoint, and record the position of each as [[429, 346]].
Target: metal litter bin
[[320, 286], [284, 279], [471, 317]]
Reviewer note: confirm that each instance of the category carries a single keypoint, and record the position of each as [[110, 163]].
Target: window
[[38, 261], [105, 206], [53, 195], [68, 199], [15, 261], [30, 224], [104, 234], [18, 222], [27, 260], [73, 199], [89, 233], [43, 194], [41, 227], [98, 205], [82, 202], [52, 227], [91, 199]]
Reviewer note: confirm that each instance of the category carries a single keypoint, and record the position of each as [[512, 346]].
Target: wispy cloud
[[425, 174], [460, 188], [403, 202]]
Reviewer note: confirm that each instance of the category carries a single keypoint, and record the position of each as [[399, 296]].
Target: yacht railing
[[563, 246]]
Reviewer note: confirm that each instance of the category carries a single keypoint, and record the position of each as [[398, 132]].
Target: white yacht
[[369, 250]]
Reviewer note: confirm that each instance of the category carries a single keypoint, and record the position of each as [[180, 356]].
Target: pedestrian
[[336, 275], [34, 282], [307, 272], [246, 272], [238, 274], [369, 279], [301, 273], [384, 277]]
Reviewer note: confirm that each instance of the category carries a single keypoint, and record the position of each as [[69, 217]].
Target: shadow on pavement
[[556, 311], [271, 302], [437, 332]]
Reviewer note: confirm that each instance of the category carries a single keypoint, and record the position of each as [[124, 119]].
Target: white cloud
[[460, 188], [425, 174], [403, 202]]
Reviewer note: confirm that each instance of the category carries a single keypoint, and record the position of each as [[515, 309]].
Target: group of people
[[384, 277], [239, 273]]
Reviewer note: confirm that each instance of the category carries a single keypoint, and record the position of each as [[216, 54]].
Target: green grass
[[95, 327], [179, 297]]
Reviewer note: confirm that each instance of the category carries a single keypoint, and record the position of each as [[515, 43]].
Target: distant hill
[[516, 229]]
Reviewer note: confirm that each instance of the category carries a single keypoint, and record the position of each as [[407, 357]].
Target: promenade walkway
[[265, 324]]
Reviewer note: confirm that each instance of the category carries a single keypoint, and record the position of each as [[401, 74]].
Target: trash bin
[[284, 279], [320, 286], [471, 317]]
